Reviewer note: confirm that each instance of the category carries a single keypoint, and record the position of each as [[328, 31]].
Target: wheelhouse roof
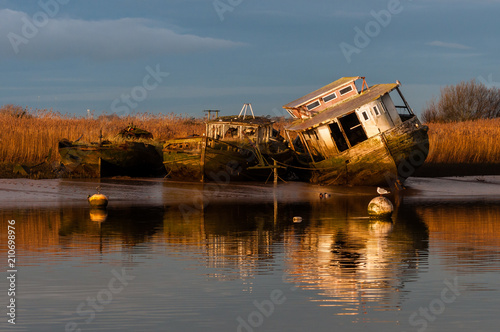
[[238, 120], [344, 107], [313, 95]]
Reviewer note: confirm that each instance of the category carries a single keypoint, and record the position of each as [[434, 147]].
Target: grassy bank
[[464, 148], [28, 139]]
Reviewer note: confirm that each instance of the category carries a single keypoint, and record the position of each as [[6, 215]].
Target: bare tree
[[465, 101]]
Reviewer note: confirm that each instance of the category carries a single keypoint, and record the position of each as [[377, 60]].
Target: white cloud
[[449, 45], [125, 38]]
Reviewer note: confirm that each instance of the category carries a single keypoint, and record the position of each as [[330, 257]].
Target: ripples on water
[[201, 258]]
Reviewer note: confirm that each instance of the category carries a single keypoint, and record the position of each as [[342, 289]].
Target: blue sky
[[184, 56]]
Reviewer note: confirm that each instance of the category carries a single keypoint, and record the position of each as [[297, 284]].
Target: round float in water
[[98, 215], [98, 201], [380, 207]]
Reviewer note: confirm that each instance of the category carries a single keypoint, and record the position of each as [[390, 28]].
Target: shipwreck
[[133, 152], [347, 135], [233, 148]]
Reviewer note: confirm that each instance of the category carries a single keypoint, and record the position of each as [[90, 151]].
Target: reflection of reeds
[[472, 225], [469, 142], [28, 139], [41, 229], [466, 238]]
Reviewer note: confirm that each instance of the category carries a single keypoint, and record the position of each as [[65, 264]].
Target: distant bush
[[462, 102], [14, 111]]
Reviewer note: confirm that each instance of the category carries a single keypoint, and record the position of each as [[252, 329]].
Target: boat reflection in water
[[359, 264], [201, 257], [347, 259]]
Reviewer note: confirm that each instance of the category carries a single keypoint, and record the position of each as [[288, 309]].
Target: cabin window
[[313, 105], [353, 128], [329, 97], [249, 131], [345, 90], [376, 111], [232, 132], [337, 137], [365, 116]]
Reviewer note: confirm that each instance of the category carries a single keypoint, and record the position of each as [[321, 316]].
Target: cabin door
[[338, 137], [353, 129]]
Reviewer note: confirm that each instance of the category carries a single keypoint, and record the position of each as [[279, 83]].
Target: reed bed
[[468, 142], [27, 136], [28, 139]]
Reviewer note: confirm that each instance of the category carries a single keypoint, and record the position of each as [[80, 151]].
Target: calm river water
[[187, 257]]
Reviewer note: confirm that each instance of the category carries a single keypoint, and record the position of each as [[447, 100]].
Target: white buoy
[[98, 201], [380, 207], [297, 219]]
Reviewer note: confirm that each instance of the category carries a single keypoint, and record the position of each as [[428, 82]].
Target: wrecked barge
[[350, 136], [132, 153], [234, 148]]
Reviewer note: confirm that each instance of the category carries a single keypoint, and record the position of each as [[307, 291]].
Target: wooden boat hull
[[135, 159], [379, 161], [197, 158]]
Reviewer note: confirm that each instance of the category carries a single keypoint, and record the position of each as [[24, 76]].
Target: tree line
[[468, 100]]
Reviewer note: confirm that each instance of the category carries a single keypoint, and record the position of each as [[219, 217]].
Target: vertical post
[[99, 167], [202, 161], [100, 159], [275, 201], [275, 170]]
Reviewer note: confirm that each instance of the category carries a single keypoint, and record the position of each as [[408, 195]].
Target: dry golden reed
[[468, 142], [28, 139]]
